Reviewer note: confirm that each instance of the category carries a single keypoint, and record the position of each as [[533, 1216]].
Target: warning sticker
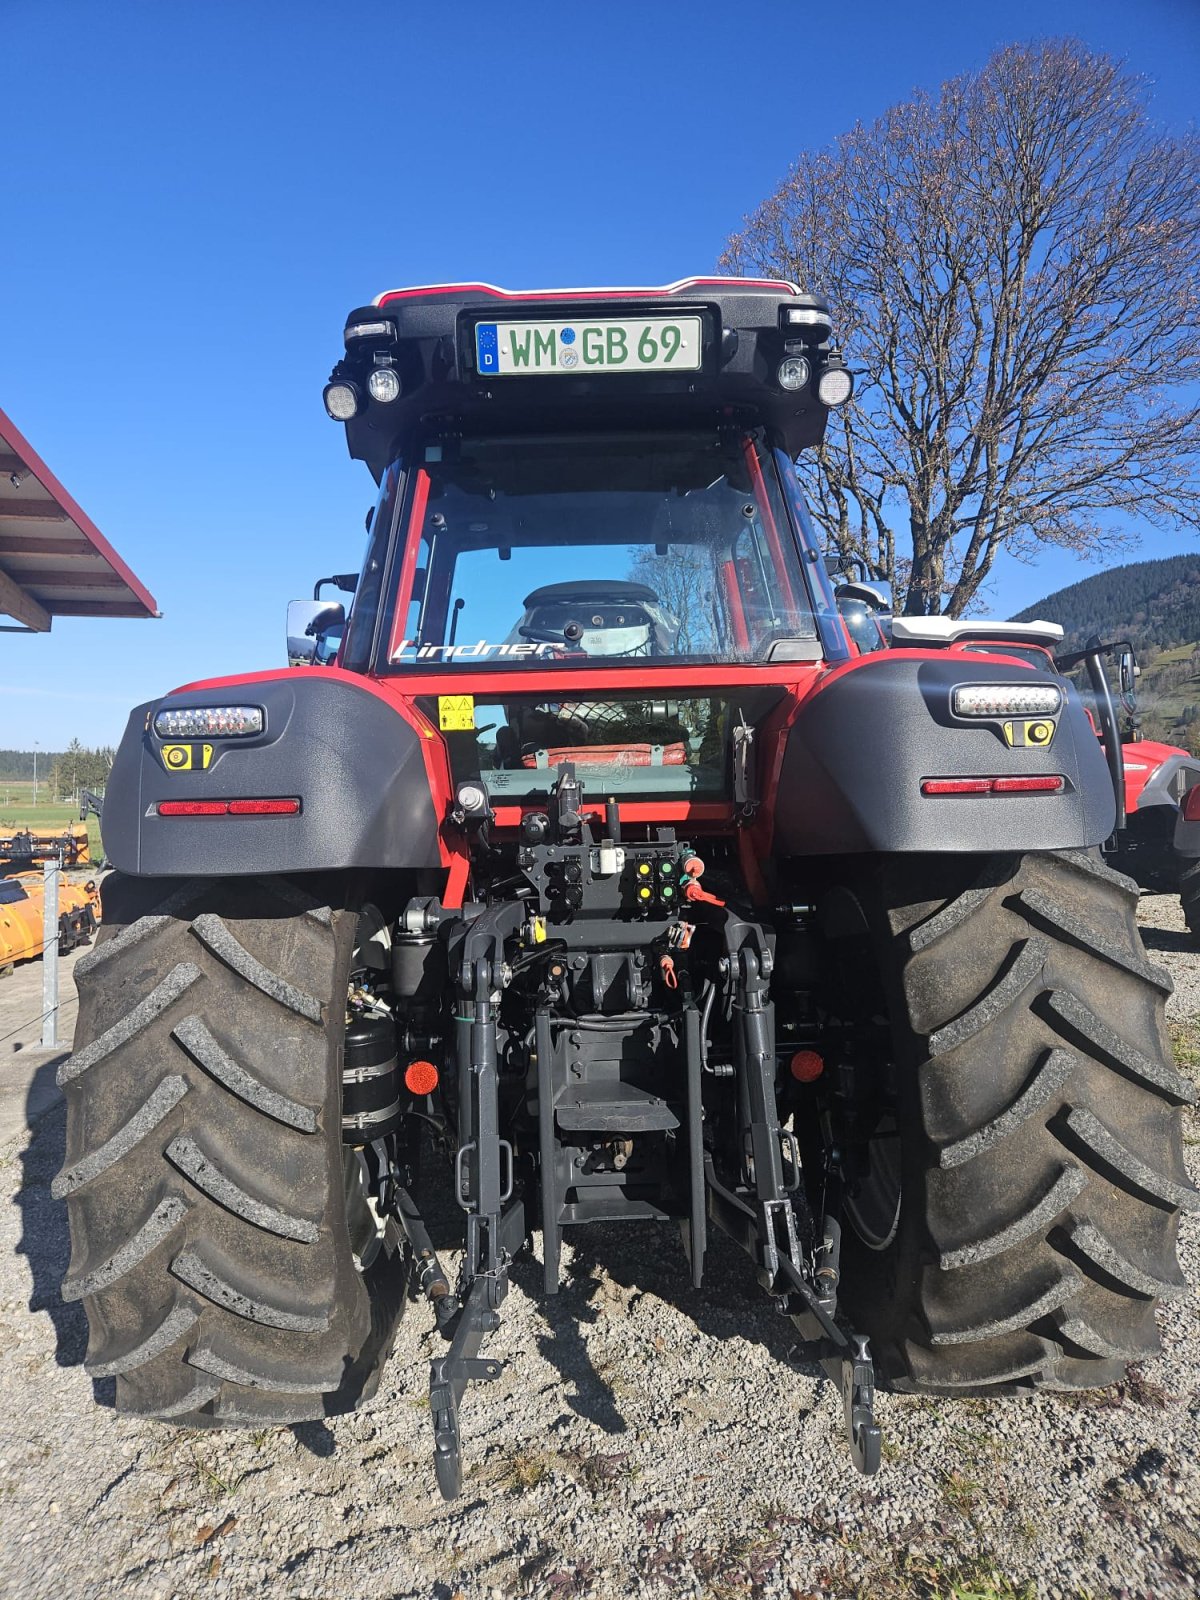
[[456, 713], [187, 757]]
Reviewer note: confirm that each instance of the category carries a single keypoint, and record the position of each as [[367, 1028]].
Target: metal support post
[[51, 872]]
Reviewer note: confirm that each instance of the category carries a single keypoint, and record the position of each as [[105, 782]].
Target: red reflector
[[1045, 783], [956, 786], [1191, 804], [263, 808], [228, 808], [807, 1066], [192, 808], [421, 1077]]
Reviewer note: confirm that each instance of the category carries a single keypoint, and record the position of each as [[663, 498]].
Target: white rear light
[[1007, 700], [209, 722]]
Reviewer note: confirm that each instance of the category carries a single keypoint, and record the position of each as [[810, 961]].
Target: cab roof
[[427, 335]]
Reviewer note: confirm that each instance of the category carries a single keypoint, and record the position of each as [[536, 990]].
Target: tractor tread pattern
[[1069, 1183], [1102, 1143], [1046, 1301], [1052, 1072], [1057, 919], [1104, 1255], [133, 933], [159, 1225], [212, 931], [160, 998], [204, 1172], [206, 1359], [1024, 968], [200, 1044], [203, 1167], [181, 1319], [1044, 1172], [154, 1109], [1078, 1019]]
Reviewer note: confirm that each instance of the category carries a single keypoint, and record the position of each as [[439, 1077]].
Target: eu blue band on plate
[[487, 347]]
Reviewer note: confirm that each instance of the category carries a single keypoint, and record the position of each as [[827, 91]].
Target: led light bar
[[1007, 700], [209, 722], [1043, 783], [807, 317], [370, 330], [229, 808]]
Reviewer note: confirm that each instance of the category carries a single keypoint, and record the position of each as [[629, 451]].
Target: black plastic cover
[[354, 763], [860, 748], [431, 344]]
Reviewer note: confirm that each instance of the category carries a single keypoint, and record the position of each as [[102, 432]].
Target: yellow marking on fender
[[456, 713], [187, 757], [1037, 732]]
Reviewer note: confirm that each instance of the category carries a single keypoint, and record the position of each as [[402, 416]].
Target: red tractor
[[589, 852]]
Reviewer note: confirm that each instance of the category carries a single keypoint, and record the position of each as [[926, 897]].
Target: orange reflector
[[807, 1066], [420, 1077]]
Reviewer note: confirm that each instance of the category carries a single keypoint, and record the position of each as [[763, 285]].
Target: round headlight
[[793, 373], [384, 384], [835, 387], [341, 401]]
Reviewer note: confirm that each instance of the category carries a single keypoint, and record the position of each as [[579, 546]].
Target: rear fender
[[860, 746], [344, 750], [1166, 786]]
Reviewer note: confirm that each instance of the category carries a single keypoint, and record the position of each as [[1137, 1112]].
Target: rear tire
[[206, 1181], [1040, 1171]]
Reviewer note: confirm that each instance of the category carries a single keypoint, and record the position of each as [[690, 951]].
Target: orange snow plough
[[22, 917]]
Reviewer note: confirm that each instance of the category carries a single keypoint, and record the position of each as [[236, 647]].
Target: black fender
[[860, 747], [355, 765]]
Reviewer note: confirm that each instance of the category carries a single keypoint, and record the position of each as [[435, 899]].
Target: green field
[[17, 810]]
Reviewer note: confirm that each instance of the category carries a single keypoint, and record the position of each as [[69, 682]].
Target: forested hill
[[1153, 603]]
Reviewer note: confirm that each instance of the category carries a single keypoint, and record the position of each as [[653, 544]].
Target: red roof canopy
[[54, 561]]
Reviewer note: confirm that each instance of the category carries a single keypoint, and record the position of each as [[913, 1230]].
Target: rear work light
[[343, 400], [1045, 783], [229, 808], [1007, 699], [209, 722]]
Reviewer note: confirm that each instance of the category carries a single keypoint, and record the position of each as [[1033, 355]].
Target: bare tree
[[1015, 269]]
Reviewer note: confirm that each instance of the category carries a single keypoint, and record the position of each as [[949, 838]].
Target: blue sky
[[194, 195]]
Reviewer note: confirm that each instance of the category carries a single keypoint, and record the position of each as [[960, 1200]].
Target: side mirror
[[307, 623], [874, 595], [1127, 670]]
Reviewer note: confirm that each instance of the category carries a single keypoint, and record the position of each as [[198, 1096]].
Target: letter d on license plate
[[582, 347]]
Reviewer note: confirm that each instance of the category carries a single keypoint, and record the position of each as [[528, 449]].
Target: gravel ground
[[644, 1440]]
